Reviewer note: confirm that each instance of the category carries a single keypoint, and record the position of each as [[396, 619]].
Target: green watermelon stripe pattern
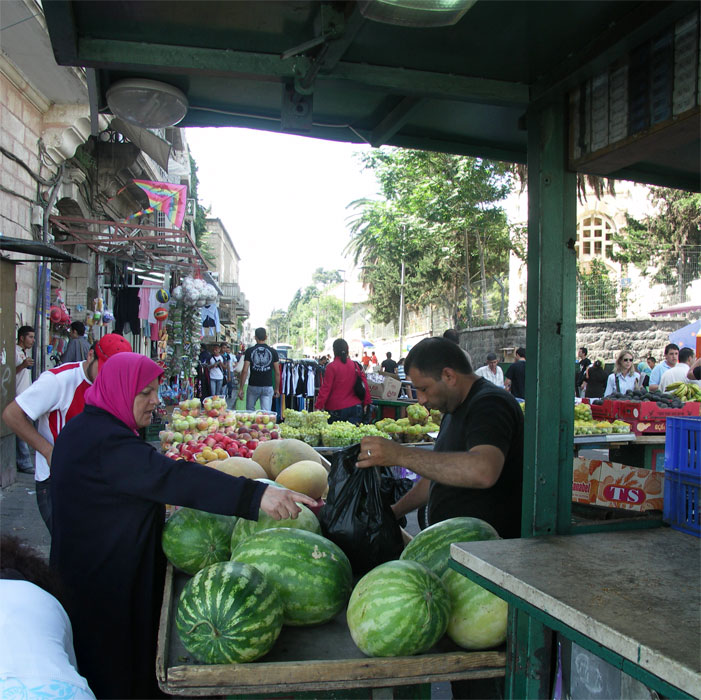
[[431, 547], [306, 520], [312, 574], [228, 613], [193, 539], [399, 608]]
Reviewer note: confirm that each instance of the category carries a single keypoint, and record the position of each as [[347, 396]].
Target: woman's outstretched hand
[[282, 503]]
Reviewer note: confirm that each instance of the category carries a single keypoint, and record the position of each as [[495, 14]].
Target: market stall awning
[[158, 247], [37, 249], [678, 309]]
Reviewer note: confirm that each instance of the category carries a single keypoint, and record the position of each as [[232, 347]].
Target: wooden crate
[[320, 658]]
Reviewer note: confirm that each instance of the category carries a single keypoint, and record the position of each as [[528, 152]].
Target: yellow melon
[[306, 477], [241, 466], [290, 451], [262, 454]]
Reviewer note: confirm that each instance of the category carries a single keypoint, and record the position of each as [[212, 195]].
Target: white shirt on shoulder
[[493, 377]]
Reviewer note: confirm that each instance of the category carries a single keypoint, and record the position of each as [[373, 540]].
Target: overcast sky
[[283, 201]]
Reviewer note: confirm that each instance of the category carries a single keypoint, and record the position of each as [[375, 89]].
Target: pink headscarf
[[118, 382]]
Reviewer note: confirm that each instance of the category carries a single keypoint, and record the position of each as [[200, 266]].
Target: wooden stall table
[[309, 659], [631, 598]]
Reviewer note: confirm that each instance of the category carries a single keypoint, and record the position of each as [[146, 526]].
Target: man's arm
[[695, 370], [244, 377], [18, 422], [478, 468], [415, 498], [276, 369]]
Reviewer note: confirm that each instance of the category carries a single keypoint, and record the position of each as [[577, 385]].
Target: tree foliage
[[439, 214], [666, 244], [312, 315], [596, 291]]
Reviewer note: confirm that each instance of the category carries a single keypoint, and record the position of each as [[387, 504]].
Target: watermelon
[[306, 520], [478, 617], [228, 613], [193, 539], [431, 547], [397, 609], [312, 574]]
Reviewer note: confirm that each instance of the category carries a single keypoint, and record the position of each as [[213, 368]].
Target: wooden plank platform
[[636, 593], [307, 659]]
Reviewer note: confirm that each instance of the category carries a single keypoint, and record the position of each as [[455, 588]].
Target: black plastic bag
[[357, 517]]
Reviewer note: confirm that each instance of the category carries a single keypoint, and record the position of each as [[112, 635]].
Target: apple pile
[[203, 429]]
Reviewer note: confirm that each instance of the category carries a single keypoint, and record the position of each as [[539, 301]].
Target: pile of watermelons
[[248, 582], [662, 399]]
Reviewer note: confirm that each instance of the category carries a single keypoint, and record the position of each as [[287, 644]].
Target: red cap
[[109, 345]]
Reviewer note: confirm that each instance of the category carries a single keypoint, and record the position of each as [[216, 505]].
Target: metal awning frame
[[160, 247], [39, 249]]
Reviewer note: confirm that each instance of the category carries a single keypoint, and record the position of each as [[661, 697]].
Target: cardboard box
[[384, 386], [616, 485]]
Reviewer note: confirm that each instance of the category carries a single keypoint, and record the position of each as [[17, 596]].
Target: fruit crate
[[605, 410], [681, 502], [649, 410], [683, 447]]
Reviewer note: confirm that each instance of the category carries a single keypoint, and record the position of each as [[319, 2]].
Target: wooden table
[[631, 597], [307, 659]]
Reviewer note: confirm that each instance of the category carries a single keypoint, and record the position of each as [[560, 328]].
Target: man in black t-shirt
[[263, 363], [476, 467], [515, 377], [389, 365]]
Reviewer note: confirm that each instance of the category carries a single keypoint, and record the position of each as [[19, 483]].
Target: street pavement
[[19, 514]]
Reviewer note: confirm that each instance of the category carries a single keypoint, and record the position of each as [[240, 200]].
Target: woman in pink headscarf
[[108, 490]]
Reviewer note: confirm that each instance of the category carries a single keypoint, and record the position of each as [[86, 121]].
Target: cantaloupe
[[240, 466], [306, 477], [263, 452], [290, 451]]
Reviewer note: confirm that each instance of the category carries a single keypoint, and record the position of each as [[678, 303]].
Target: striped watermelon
[[478, 617], [228, 613], [306, 520], [431, 547], [312, 574], [193, 539], [398, 608]]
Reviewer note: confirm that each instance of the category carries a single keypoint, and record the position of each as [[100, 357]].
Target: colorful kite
[[166, 197]]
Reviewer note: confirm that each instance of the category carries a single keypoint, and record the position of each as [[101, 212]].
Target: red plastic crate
[[656, 426], [605, 410], [649, 410]]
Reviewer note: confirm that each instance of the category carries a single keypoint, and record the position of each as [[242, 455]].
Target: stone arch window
[[595, 233]]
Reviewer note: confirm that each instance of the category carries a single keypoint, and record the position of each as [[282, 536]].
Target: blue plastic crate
[[681, 502], [683, 446]]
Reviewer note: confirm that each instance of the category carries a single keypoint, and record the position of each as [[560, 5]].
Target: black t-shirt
[[517, 374], [261, 357], [389, 366], [583, 364], [488, 416]]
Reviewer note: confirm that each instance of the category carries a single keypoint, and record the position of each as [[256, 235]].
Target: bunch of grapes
[[582, 411], [417, 414], [287, 431]]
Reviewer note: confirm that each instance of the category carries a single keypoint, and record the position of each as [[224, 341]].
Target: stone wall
[[603, 339]]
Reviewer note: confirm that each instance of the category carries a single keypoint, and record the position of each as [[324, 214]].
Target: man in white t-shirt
[[54, 398], [216, 371], [23, 380], [679, 372], [491, 371]]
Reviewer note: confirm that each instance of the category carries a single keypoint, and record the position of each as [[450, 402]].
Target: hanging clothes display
[[210, 320], [299, 383]]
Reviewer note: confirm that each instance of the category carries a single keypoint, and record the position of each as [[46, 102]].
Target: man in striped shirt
[[53, 399]]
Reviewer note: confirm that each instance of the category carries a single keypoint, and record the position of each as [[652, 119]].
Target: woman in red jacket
[[338, 393]]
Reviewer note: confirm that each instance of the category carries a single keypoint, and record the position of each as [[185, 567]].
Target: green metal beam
[[116, 54], [550, 334]]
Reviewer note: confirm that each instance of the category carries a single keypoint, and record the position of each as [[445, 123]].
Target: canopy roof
[[324, 70]]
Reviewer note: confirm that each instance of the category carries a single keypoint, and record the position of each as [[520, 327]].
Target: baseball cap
[[109, 345]]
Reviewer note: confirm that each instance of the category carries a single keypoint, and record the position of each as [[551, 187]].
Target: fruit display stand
[[308, 659]]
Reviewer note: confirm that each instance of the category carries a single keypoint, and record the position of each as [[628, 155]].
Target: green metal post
[[550, 335], [550, 346]]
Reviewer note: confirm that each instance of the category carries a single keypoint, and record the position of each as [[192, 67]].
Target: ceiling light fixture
[[149, 104], [416, 13]]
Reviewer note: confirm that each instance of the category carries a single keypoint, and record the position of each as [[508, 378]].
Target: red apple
[[251, 445]]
